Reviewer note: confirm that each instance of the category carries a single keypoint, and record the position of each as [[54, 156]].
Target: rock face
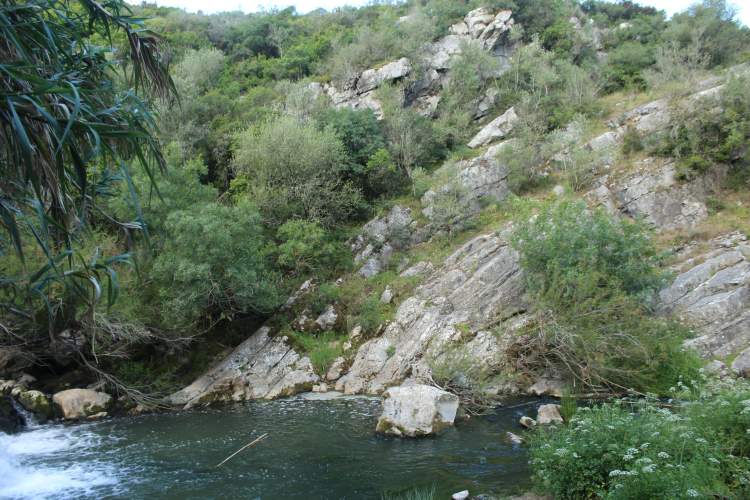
[[417, 410], [480, 26], [712, 292], [262, 367], [374, 246], [495, 130], [656, 194], [75, 404], [475, 179], [478, 286]]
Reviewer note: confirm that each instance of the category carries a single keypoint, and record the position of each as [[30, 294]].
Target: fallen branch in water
[[248, 445]]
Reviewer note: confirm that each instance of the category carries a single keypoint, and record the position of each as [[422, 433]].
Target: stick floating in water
[[248, 445]]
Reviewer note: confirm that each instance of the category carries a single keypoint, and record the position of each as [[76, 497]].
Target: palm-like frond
[[62, 114]]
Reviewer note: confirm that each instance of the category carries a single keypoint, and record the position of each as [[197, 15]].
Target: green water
[[315, 449]]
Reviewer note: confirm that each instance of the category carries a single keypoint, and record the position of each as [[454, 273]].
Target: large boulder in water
[[81, 403], [417, 410]]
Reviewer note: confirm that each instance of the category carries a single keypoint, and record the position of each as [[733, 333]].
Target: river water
[[315, 449]]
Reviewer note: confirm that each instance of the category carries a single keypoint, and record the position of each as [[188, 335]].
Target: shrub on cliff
[[593, 279]]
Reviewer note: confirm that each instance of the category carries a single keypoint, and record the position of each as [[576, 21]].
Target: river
[[316, 449]]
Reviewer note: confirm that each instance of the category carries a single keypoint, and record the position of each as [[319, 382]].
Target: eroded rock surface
[[374, 246], [478, 178], [478, 287], [262, 367], [654, 192], [711, 291], [417, 410], [480, 26], [495, 130]]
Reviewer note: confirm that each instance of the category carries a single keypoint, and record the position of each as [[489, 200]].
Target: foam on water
[[22, 476]]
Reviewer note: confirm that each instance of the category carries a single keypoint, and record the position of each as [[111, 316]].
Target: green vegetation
[[716, 130], [696, 449], [140, 222], [593, 279]]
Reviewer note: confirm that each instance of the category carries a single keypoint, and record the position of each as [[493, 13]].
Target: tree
[[293, 170]]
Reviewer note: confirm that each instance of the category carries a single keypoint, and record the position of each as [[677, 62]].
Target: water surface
[[315, 450]]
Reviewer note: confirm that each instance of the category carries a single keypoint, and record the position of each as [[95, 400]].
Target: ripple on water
[[315, 450]]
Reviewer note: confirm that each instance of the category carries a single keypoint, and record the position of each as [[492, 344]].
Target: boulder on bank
[[36, 402], [741, 364], [81, 403], [417, 410], [548, 414]]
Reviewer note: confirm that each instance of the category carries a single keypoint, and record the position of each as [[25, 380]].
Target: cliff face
[[471, 304]]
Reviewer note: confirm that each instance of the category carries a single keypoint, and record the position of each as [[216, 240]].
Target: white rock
[[336, 369], [461, 495], [81, 403], [527, 422], [495, 130], [548, 414], [387, 296], [547, 387], [417, 410], [514, 439], [327, 318]]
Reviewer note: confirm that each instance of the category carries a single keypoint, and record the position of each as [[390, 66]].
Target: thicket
[[593, 280]]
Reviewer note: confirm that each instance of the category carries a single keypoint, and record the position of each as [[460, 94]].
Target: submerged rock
[[81, 403], [417, 410]]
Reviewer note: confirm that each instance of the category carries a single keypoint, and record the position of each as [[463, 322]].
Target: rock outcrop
[[654, 192], [417, 410], [495, 130], [476, 179], [480, 26], [262, 367], [75, 404], [379, 238], [711, 292], [477, 287]]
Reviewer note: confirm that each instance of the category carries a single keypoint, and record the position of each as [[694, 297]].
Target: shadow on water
[[315, 450]]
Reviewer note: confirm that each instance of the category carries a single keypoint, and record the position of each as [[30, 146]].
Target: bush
[[713, 131], [631, 141], [296, 173], [641, 450], [322, 349], [307, 247], [593, 279], [213, 264]]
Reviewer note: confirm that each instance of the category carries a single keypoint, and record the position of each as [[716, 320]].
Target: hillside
[[493, 198]]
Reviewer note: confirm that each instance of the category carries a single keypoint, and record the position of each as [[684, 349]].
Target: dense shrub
[[213, 264], [292, 170], [593, 278], [713, 131], [306, 247]]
